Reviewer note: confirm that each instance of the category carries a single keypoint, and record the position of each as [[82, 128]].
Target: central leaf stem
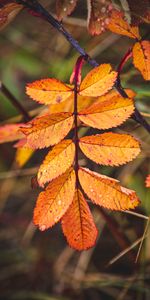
[[76, 79]]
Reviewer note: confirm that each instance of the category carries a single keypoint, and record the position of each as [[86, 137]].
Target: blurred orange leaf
[[48, 91], [57, 161], [118, 25], [55, 200], [78, 224], [47, 130], [106, 191], [107, 112], [109, 148], [8, 11], [23, 155], [98, 81], [147, 182], [10, 133], [141, 58]]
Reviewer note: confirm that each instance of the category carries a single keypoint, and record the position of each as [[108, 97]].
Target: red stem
[[76, 79], [124, 60]]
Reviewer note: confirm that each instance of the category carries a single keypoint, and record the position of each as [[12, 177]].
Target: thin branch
[[38, 10], [14, 101]]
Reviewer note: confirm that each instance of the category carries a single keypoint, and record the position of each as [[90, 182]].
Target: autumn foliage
[[89, 102], [63, 199]]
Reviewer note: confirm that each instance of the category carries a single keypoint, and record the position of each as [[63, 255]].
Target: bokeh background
[[38, 265]]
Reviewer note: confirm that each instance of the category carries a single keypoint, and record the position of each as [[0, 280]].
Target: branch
[[14, 101], [38, 10]]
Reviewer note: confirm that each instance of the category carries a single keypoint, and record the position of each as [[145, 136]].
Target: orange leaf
[[98, 15], [106, 191], [23, 155], [141, 58], [147, 182], [118, 25], [8, 11], [64, 8], [55, 200], [57, 161], [98, 81], [10, 133], [111, 149], [109, 113], [47, 130], [48, 91], [78, 224]]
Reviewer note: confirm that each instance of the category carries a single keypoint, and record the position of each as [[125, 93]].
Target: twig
[[138, 241], [14, 101]]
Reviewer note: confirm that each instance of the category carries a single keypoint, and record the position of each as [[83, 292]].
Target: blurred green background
[[40, 265]]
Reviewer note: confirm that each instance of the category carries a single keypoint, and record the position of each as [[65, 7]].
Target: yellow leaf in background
[[106, 191], [55, 200], [47, 130], [78, 224], [68, 105], [56, 162], [110, 149], [141, 58], [23, 155]]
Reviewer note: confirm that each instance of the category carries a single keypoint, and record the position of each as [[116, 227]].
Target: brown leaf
[[64, 8]]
